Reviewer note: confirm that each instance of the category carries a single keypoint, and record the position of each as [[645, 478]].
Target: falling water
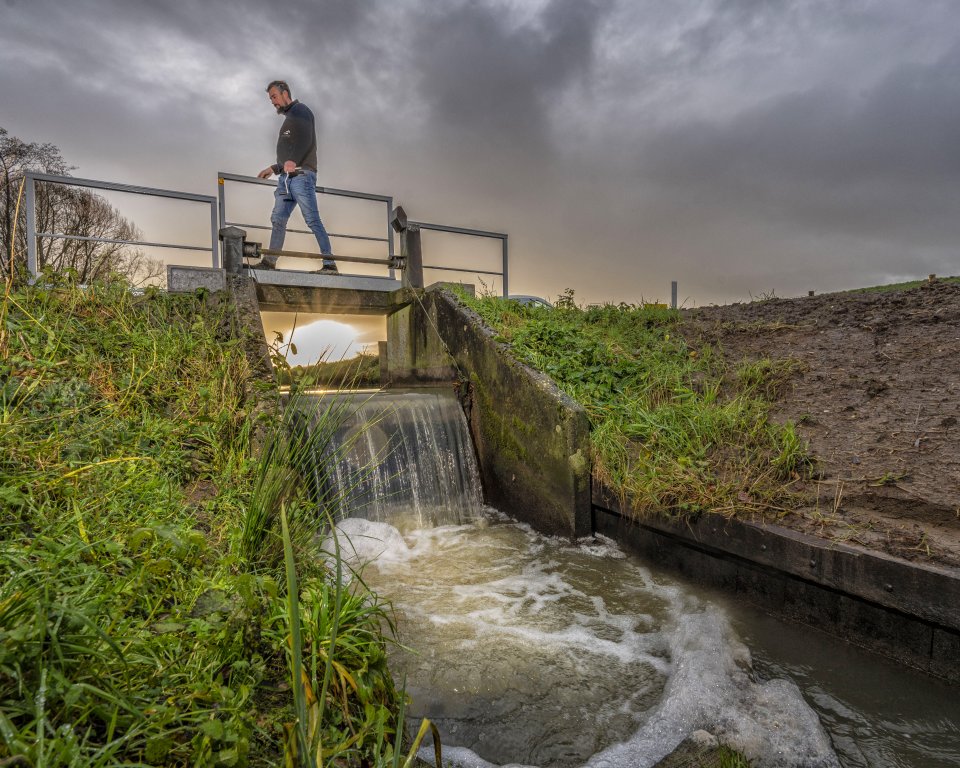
[[403, 454]]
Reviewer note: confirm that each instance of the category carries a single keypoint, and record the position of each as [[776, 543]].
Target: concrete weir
[[533, 449], [532, 441]]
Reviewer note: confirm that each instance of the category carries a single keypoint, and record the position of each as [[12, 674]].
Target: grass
[[674, 428], [359, 372], [901, 286], [728, 758], [144, 617]]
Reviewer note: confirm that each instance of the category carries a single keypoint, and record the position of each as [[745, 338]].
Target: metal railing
[[219, 220], [385, 199], [501, 236], [32, 234]]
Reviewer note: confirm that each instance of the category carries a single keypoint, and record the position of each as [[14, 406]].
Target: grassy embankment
[[145, 616], [901, 286], [360, 372], [677, 429]]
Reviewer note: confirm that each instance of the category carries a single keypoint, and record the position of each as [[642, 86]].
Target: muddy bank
[[876, 392]]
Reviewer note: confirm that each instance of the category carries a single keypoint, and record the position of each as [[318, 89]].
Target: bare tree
[[69, 213], [17, 157]]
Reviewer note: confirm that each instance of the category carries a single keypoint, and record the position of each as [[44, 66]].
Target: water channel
[[528, 649]]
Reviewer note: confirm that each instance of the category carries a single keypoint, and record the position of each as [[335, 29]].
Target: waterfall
[[399, 454]]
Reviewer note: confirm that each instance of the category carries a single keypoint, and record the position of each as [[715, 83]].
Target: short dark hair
[[280, 85]]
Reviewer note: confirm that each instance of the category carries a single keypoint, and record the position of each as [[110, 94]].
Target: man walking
[[297, 169]]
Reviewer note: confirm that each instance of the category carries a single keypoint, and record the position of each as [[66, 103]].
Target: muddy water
[[877, 713], [527, 649]]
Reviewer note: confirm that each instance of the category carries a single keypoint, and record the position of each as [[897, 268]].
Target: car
[[530, 301]]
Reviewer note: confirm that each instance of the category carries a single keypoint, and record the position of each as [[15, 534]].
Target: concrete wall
[[249, 326], [188, 279], [902, 610], [245, 315], [415, 350], [532, 441]]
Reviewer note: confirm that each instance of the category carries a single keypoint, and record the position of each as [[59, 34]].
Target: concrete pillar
[[411, 255], [233, 238]]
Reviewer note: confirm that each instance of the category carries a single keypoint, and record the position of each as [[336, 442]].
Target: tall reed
[[331, 624], [333, 627]]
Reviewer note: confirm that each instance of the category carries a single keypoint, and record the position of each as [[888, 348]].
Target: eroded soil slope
[[877, 395]]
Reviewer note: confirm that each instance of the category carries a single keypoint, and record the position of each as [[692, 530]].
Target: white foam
[[362, 541], [507, 595], [601, 547], [463, 758], [711, 689]]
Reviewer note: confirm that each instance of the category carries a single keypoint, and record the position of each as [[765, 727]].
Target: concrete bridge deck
[[281, 290]]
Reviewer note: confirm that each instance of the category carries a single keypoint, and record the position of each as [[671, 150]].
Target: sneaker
[[328, 269]]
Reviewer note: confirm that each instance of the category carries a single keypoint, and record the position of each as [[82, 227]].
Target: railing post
[[673, 294], [232, 238], [390, 246], [411, 254], [222, 201], [31, 202], [215, 227], [410, 251], [506, 292]]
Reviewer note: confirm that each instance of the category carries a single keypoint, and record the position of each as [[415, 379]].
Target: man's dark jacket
[[298, 138]]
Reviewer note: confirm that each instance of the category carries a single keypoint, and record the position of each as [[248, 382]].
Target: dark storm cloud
[[167, 78], [484, 76], [886, 160], [176, 52], [714, 141], [728, 27], [747, 146]]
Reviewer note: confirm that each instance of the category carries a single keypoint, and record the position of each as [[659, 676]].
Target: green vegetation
[[901, 286], [359, 372], [144, 613], [676, 428], [728, 758]]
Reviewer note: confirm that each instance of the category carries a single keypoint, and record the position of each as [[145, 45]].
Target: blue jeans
[[300, 190]]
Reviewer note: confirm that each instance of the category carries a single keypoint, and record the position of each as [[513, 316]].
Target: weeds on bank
[[338, 672], [676, 428], [143, 619], [728, 758], [362, 371], [902, 286]]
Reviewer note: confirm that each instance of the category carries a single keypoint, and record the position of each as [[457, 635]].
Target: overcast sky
[[740, 147]]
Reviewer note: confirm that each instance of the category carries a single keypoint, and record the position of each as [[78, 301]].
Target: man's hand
[[266, 173], [289, 166]]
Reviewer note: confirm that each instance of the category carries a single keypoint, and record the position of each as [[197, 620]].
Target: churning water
[[533, 650]]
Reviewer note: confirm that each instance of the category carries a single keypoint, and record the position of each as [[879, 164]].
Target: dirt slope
[[878, 398]]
